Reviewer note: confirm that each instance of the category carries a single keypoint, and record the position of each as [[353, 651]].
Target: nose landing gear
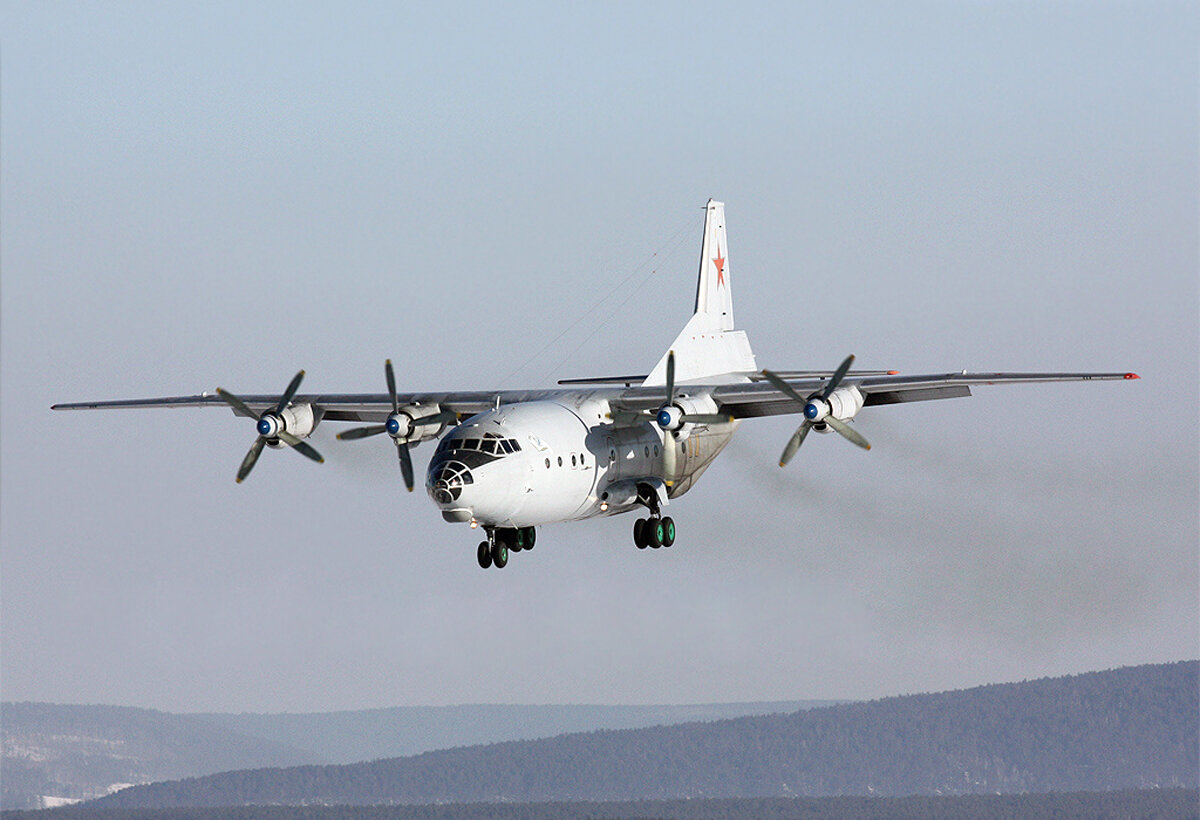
[[501, 541]]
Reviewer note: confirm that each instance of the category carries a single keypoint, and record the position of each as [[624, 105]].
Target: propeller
[[671, 418], [817, 411], [399, 426], [270, 425]]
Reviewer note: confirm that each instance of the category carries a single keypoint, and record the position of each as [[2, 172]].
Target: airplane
[[510, 461]]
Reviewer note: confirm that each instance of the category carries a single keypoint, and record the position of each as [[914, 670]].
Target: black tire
[[525, 536], [668, 531], [639, 533], [484, 555], [511, 539], [653, 533], [499, 553]]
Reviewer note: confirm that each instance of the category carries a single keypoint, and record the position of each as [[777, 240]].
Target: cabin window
[[560, 461], [547, 464]]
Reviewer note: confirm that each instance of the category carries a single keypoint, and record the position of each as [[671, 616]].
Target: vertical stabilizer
[[713, 297], [708, 346]]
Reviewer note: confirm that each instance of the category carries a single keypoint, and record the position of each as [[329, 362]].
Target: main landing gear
[[654, 532], [657, 530], [501, 541]]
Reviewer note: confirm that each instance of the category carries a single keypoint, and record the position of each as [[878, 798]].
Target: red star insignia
[[720, 263]]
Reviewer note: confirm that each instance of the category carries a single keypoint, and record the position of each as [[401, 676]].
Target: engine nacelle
[[401, 426], [298, 420], [673, 416], [845, 402]]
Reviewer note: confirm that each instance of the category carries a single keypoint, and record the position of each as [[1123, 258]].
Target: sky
[[501, 195]]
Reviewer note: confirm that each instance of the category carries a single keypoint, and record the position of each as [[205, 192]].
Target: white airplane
[[513, 460]]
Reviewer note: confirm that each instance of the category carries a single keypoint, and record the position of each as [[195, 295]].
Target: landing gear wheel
[[653, 533], [639, 533], [484, 554], [525, 538], [499, 553], [668, 525]]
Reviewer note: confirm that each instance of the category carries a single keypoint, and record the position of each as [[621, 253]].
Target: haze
[[495, 196]]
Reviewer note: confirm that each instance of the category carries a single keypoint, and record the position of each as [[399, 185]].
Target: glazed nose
[[447, 482]]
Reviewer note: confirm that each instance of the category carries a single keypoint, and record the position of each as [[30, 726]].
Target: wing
[[763, 399], [753, 398], [361, 407]]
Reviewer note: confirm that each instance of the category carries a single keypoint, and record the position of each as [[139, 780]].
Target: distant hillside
[[80, 752], [53, 752], [370, 734], [1127, 728], [1142, 804]]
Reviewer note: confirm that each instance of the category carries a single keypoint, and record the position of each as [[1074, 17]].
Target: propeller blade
[[670, 376], [251, 458], [286, 398], [300, 447], [391, 383], [362, 432], [406, 465], [837, 377], [848, 432], [794, 443], [239, 406], [669, 445], [784, 387]]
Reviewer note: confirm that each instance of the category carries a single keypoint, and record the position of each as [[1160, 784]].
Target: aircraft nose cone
[[447, 481]]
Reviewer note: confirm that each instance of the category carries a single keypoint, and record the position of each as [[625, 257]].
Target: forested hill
[[54, 751], [1133, 727]]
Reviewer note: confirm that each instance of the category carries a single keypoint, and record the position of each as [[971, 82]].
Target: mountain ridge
[[1124, 728], [54, 753]]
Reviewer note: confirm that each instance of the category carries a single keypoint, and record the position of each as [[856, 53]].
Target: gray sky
[[197, 195]]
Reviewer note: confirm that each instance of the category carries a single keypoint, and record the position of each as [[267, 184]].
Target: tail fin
[[708, 345]]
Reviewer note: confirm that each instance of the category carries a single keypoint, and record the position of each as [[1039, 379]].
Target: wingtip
[[1132, 376]]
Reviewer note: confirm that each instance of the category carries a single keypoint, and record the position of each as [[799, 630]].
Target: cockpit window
[[491, 443]]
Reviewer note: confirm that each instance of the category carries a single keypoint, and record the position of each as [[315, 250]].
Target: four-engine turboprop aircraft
[[512, 460]]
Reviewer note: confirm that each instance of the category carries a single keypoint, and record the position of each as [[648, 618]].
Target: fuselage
[[559, 460]]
